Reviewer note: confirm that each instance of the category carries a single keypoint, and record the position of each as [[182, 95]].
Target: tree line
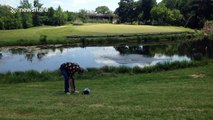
[[188, 13], [22, 17]]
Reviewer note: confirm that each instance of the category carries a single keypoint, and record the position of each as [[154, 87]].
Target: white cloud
[[12, 3], [159, 1], [56, 2], [79, 2]]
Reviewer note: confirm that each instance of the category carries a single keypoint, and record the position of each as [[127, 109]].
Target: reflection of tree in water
[[18, 51], [197, 49], [143, 50], [1, 55], [29, 56], [61, 50], [41, 55], [194, 49], [30, 53], [148, 50]]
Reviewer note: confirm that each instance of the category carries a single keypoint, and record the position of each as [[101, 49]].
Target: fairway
[[59, 32], [122, 29], [179, 94]]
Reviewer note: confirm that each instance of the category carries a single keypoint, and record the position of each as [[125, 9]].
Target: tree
[[37, 21], [102, 10], [26, 16], [17, 20], [163, 16], [159, 14], [195, 12], [174, 17], [9, 20], [60, 17], [82, 15], [1, 23], [125, 11], [56, 17], [143, 9], [201, 11], [71, 16], [130, 11], [171, 4], [50, 16]]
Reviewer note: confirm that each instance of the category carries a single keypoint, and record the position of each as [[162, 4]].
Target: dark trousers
[[68, 80]]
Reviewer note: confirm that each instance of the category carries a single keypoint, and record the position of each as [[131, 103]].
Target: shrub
[[43, 39], [136, 69], [108, 69], [94, 73], [123, 69]]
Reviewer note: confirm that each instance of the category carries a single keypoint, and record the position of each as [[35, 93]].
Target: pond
[[41, 58]]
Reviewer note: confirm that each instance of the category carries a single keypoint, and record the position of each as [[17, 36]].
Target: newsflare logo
[[12, 10], [28, 10]]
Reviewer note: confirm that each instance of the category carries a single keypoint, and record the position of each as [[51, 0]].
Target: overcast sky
[[71, 5]]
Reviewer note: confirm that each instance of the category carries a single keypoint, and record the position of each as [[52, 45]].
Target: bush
[[209, 23], [136, 69], [124, 69], [43, 39], [169, 66], [208, 28], [24, 42], [29, 76], [121, 69], [108, 69]]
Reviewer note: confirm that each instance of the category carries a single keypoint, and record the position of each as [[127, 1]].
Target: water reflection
[[195, 50], [1, 55], [44, 58]]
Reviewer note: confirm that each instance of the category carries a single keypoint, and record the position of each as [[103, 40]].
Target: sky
[[70, 5]]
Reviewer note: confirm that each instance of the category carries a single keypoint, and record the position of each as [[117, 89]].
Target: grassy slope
[[119, 29], [165, 95], [62, 31]]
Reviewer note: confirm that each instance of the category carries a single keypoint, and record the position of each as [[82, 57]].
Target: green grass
[[122, 29], [184, 94], [32, 35], [35, 76]]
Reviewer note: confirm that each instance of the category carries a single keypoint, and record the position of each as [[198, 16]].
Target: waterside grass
[[177, 94], [35, 76]]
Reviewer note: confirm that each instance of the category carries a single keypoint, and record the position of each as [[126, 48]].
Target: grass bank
[[178, 94], [35, 76], [54, 35]]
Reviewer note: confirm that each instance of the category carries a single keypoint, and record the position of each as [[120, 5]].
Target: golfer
[[68, 70]]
